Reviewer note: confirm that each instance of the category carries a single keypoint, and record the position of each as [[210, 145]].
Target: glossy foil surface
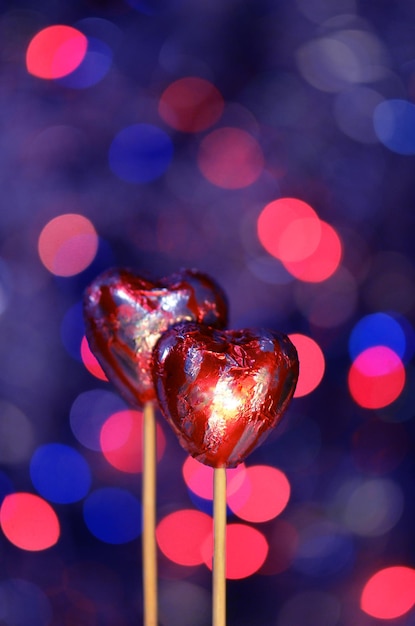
[[126, 314], [222, 391]]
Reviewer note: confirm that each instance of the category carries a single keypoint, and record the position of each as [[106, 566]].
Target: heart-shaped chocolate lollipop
[[222, 391], [126, 314]]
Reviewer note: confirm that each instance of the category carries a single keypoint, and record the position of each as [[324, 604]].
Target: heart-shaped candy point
[[222, 391], [126, 314]]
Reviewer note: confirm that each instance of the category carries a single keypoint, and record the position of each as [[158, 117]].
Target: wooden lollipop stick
[[219, 547], [149, 546]]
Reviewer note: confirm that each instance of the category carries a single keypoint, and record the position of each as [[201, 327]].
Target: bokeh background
[[271, 145]]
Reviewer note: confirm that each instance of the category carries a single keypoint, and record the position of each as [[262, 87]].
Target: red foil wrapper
[[126, 314], [222, 391]]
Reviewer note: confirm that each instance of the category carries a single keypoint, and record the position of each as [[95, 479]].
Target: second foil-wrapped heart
[[222, 391], [125, 315]]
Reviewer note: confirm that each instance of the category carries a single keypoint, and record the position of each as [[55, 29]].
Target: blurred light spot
[[16, 434], [93, 67], [394, 123], [376, 377], [299, 239], [269, 493], [90, 361], [289, 229], [191, 104], [310, 608], [140, 153], [389, 593], [377, 329], [199, 478], [344, 58], [72, 330], [353, 112], [113, 515], [181, 534], [122, 441], [230, 158], [378, 448], [59, 473], [246, 551], [323, 262], [89, 412], [312, 364], [323, 550], [373, 508], [55, 51], [29, 522], [283, 543], [183, 604], [22, 602], [331, 303], [68, 244]]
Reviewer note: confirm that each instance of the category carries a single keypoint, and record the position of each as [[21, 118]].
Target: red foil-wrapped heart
[[222, 391], [126, 314]]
